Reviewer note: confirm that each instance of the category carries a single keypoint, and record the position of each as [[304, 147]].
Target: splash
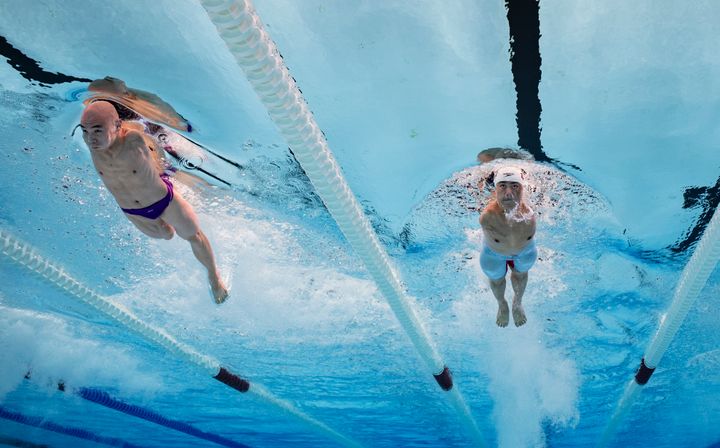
[[285, 279], [553, 197], [532, 385], [45, 346], [516, 214]]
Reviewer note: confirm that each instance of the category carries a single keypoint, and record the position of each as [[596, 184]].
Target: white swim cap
[[508, 174]]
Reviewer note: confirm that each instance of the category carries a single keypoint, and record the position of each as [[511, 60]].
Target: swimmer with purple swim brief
[[154, 211], [129, 168]]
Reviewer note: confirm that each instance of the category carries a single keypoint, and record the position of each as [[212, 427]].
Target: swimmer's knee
[[167, 231], [152, 233], [161, 235], [497, 281], [162, 231], [193, 237]]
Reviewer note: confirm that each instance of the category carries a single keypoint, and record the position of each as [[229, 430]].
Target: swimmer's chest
[[128, 164], [509, 233]]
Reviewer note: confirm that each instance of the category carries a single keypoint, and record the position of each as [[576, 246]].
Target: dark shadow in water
[[30, 69], [706, 197], [524, 21]]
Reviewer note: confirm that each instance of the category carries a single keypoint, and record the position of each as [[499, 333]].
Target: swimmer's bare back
[[146, 104], [491, 154]]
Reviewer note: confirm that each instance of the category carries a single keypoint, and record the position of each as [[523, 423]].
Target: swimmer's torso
[[130, 171], [507, 236]]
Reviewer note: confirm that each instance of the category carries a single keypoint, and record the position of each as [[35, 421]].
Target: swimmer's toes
[[502, 316], [220, 293], [519, 316]]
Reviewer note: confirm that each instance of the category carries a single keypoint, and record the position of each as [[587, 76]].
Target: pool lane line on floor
[[41, 422], [692, 280], [103, 398], [26, 256], [257, 55]]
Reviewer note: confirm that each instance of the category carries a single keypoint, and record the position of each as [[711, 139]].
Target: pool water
[[406, 97]]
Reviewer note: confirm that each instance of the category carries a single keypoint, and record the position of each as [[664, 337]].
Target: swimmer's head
[[100, 124], [508, 174], [508, 186]]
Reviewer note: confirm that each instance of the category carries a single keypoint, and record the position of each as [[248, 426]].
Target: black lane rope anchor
[[643, 373], [232, 380], [444, 379]]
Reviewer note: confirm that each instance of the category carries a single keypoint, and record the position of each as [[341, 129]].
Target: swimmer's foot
[[218, 290], [503, 314], [518, 314]]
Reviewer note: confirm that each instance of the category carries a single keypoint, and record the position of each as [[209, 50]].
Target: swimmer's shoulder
[[530, 214], [132, 136], [133, 126], [530, 222], [490, 216], [492, 209], [132, 139], [484, 218]]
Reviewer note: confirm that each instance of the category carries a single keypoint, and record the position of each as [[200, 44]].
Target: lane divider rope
[[245, 36], [26, 256], [692, 280]]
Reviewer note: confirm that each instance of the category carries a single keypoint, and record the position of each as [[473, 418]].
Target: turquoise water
[[305, 321]]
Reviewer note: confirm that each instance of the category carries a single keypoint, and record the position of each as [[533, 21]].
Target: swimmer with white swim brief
[[495, 265], [508, 225]]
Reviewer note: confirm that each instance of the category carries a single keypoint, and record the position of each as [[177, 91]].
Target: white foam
[[47, 347], [279, 288], [531, 382]]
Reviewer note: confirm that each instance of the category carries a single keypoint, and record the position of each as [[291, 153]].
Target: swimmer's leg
[[181, 215], [494, 266], [154, 228], [519, 282], [498, 289]]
